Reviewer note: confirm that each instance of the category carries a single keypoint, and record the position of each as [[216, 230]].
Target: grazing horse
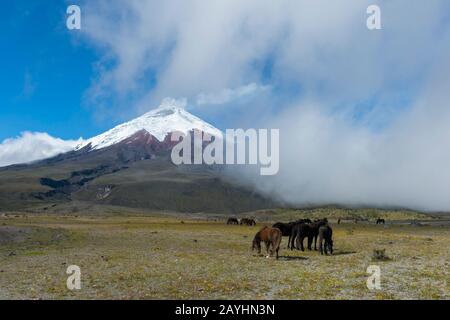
[[232, 221], [271, 238], [326, 235], [306, 230], [286, 228], [248, 222], [381, 221]]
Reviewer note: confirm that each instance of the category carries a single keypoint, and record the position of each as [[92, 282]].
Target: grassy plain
[[179, 257]]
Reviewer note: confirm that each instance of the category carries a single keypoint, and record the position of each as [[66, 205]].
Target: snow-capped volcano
[[168, 117]]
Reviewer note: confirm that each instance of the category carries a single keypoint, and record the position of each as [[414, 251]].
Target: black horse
[[306, 230], [326, 235], [232, 221], [286, 228], [248, 222], [381, 221]]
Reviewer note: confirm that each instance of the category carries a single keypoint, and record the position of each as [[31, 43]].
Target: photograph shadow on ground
[[343, 252], [291, 258]]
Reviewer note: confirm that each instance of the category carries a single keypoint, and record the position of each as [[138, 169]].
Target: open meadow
[[170, 257]]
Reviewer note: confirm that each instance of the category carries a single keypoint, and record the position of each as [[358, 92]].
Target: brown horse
[[271, 237]]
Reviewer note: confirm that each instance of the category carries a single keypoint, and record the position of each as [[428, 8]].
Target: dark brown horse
[[326, 235], [306, 230], [232, 221], [286, 228], [248, 222], [271, 237], [381, 221]]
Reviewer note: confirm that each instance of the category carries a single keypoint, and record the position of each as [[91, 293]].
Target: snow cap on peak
[[170, 116]]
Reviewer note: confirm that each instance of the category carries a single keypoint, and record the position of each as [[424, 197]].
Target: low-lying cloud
[[325, 158], [32, 146]]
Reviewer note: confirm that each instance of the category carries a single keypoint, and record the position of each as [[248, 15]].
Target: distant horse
[[248, 222], [271, 238], [381, 221], [306, 230], [326, 235], [232, 221]]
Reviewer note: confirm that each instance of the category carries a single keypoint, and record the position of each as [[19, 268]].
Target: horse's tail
[[277, 240]]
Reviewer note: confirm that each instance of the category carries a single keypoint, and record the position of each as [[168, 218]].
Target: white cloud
[[31, 146], [325, 158], [229, 95], [169, 102], [189, 47]]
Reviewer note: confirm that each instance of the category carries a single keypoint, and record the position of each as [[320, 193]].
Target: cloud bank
[[32, 146], [363, 115]]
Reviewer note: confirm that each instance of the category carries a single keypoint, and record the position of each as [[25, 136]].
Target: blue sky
[[45, 72]]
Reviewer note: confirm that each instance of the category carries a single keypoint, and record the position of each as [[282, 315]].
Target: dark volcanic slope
[[136, 172]]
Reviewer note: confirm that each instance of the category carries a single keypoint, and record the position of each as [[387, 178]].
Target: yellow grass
[[160, 257]]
